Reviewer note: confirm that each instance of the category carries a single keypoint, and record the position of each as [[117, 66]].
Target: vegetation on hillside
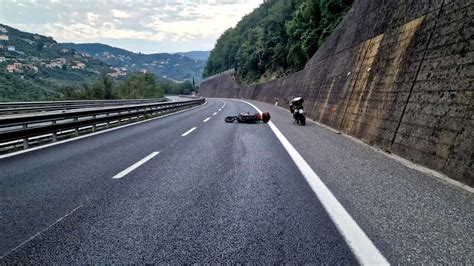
[[35, 67], [138, 86], [196, 55], [277, 38]]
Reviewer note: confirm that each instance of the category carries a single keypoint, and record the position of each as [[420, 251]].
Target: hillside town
[[16, 58]]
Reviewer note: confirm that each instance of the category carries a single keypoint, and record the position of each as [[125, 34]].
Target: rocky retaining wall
[[395, 74]]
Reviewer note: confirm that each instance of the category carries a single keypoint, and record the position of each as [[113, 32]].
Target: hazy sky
[[146, 26]]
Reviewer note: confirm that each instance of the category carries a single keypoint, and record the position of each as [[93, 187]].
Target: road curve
[[224, 192], [186, 188]]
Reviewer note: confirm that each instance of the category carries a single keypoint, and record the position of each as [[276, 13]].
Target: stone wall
[[395, 74]]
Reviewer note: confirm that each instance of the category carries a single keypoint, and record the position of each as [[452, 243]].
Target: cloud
[[120, 14], [173, 25]]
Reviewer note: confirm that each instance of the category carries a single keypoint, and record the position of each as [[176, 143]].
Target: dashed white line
[[214, 113], [188, 132], [42, 231], [360, 244], [94, 134], [205, 120], [135, 165]]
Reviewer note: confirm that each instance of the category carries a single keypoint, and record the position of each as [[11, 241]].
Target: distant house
[[79, 65], [32, 68], [15, 68], [64, 50], [56, 63], [30, 42], [60, 60], [3, 30], [4, 37], [116, 72], [2, 59], [11, 48]]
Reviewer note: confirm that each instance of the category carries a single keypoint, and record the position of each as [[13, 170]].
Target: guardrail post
[[120, 119], [55, 135], [25, 140], [94, 125], [76, 130]]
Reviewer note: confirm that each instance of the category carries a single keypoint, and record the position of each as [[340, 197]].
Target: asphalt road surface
[[189, 188]]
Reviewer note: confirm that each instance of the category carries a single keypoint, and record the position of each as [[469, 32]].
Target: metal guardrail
[[24, 129], [24, 107]]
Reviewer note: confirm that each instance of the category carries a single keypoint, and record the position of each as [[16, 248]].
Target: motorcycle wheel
[[303, 120], [230, 119], [265, 117]]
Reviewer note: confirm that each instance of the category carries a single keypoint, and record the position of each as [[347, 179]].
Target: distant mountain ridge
[[197, 55], [176, 67]]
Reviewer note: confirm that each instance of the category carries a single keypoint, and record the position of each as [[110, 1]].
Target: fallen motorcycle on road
[[249, 118]]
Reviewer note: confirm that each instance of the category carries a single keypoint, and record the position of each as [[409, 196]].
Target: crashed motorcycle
[[249, 118], [296, 108]]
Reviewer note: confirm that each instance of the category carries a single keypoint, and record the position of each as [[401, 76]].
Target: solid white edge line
[[363, 248], [135, 165], [214, 113], [438, 176], [93, 134], [188, 132], [205, 120]]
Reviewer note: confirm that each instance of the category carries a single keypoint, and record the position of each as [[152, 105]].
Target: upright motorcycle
[[296, 108]]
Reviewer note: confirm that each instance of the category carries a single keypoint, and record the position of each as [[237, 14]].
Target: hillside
[[197, 55], [276, 39], [36, 67], [171, 66]]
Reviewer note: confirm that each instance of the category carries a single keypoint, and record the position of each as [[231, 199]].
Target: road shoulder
[[410, 215]]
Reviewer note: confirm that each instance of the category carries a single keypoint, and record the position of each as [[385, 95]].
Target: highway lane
[[220, 193], [38, 187]]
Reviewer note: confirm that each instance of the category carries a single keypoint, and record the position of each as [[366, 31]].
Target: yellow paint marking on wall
[[404, 39], [363, 73], [325, 105]]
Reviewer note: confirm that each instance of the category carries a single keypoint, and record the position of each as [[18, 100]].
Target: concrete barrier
[[395, 74]]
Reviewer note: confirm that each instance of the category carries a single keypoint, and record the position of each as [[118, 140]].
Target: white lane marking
[[362, 247], [135, 165], [42, 231], [205, 120], [219, 110], [214, 113], [93, 134], [188, 132]]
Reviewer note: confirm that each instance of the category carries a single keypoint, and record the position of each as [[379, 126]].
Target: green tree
[[140, 86], [277, 37]]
